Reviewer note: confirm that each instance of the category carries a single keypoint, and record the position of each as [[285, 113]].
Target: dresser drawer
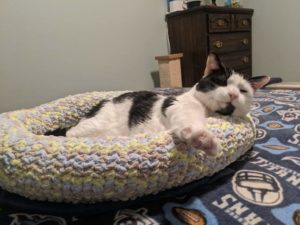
[[237, 60], [219, 22], [221, 43], [241, 22]]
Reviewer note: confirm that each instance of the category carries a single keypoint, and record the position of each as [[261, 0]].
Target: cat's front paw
[[202, 139]]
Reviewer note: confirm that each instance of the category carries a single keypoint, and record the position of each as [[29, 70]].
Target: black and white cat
[[185, 115]]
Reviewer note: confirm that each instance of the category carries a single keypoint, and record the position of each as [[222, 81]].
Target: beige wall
[[276, 38], [52, 48]]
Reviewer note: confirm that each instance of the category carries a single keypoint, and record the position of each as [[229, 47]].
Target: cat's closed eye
[[243, 91]]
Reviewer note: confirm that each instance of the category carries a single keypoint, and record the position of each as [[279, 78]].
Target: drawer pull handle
[[245, 41], [245, 22], [218, 44], [221, 22], [245, 59]]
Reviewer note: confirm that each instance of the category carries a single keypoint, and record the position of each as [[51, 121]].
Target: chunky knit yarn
[[89, 170]]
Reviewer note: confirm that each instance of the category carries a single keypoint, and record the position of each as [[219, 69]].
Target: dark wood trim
[[209, 9]]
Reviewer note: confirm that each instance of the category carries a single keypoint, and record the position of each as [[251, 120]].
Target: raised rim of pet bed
[[89, 170], [18, 203]]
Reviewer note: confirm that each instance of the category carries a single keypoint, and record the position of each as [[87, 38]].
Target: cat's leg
[[188, 123], [85, 128]]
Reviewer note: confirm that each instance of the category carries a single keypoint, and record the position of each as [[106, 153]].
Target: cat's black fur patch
[[96, 109], [216, 79], [121, 98], [141, 108], [167, 103], [228, 110]]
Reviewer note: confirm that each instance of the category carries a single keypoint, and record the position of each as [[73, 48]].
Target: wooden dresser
[[197, 31]]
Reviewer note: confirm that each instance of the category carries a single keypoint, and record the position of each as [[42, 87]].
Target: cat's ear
[[213, 62], [259, 81]]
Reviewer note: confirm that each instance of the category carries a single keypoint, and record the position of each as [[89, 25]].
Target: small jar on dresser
[[196, 32]]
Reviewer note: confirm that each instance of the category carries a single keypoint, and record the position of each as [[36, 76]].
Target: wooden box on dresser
[[198, 31]]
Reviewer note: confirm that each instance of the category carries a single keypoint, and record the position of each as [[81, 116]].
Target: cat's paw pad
[[205, 141]]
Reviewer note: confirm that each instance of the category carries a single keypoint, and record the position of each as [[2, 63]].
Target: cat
[[219, 91]]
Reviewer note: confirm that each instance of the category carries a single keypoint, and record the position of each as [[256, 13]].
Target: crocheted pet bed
[[89, 170]]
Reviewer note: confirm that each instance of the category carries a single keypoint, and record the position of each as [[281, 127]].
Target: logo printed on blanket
[[296, 137], [275, 147], [193, 212], [276, 125], [266, 110], [255, 120], [237, 210], [289, 115], [294, 159], [291, 176], [257, 187], [294, 104], [255, 105], [297, 128], [287, 98], [283, 92], [189, 216], [35, 219], [255, 114], [262, 99], [129, 216], [260, 134]]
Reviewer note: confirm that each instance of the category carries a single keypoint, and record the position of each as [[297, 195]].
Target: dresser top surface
[[209, 9]]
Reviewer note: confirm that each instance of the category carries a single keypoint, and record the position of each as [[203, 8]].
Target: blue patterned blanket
[[263, 187]]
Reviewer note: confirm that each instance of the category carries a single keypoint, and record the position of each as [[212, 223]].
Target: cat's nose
[[233, 96]]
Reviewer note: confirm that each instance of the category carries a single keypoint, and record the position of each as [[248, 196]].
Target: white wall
[[52, 48], [276, 38]]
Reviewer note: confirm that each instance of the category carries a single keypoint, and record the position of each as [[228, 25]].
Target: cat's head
[[225, 91]]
